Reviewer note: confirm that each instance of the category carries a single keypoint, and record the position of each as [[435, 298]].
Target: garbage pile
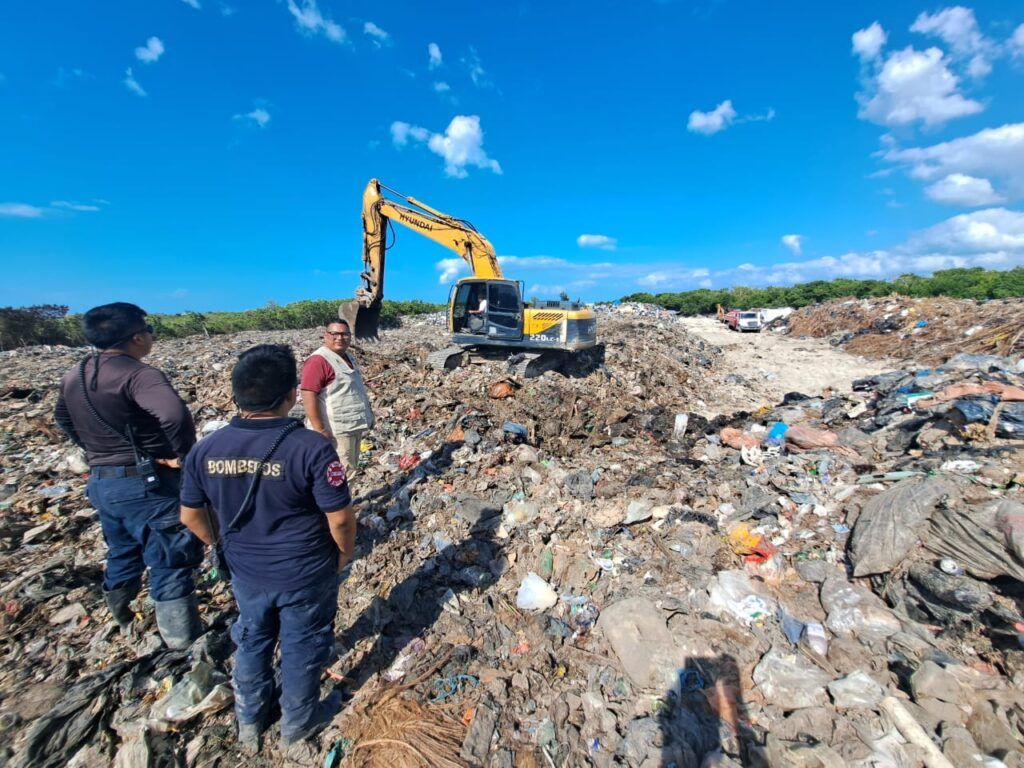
[[925, 330], [636, 309], [576, 569]]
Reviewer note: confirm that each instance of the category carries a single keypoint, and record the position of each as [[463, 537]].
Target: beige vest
[[343, 404]]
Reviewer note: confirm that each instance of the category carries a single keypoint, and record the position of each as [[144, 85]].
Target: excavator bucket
[[364, 321]]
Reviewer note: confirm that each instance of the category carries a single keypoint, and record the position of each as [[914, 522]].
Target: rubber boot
[[249, 738], [178, 621], [119, 603], [299, 744]]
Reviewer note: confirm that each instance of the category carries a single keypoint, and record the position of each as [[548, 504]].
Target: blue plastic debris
[[690, 680], [450, 686]]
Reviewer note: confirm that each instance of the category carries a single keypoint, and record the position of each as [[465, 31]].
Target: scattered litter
[[581, 567]]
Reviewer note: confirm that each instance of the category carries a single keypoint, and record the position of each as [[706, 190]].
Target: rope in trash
[[453, 685]]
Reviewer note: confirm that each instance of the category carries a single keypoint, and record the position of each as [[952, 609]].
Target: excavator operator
[[476, 323]]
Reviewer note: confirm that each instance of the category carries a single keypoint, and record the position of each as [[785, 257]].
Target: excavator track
[[446, 359], [529, 365]]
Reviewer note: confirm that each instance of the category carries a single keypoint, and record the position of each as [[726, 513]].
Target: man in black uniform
[[284, 522], [135, 431]]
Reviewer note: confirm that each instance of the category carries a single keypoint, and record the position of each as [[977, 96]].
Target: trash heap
[[577, 569], [928, 330]]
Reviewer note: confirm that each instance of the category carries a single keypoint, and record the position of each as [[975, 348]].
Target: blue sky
[[211, 154]]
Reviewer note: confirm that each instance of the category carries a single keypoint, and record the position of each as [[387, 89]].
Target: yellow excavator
[[486, 312]]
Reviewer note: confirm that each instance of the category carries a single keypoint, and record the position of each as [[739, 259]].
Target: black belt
[[105, 473]]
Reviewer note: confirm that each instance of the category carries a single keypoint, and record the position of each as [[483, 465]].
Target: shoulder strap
[[250, 494]]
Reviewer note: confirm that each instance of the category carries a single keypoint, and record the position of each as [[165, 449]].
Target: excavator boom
[[363, 314]]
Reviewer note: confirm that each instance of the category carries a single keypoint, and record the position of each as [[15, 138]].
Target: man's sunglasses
[[339, 334], [147, 328]]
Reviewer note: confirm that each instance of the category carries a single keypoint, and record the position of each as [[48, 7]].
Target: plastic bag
[[983, 540], [852, 609], [535, 594], [733, 592], [858, 690], [891, 523], [1010, 520], [202, 689], [967, 361], [735, 439], [1011, 418], [790, 681]]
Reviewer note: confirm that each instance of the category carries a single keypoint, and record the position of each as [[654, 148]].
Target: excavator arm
[[458, 235]]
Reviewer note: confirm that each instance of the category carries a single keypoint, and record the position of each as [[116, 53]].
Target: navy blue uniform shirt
[[283, 543]]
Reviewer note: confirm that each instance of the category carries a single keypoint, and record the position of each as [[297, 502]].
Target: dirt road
[[759, 368]]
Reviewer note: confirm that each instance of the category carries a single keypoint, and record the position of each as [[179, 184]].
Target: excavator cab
[[484, 310]]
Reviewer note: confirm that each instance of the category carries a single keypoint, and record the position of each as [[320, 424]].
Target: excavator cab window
[[504, 310], [468, 296]]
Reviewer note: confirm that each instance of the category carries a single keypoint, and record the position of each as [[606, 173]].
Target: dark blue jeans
[[143, 529], [303, 621]]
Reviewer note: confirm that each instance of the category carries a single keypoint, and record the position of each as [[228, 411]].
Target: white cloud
[[915, 86], [434, 54], [674, 277], [868, 42], [132, 84], [401, 132], [959, 189], [654, 279], [66, 77], [380, 37], [442, 87], [193, 3], [990, 153], [978, 232], [151, 51], [766, 117], [540, 289], [794, 243], [958, 28], [602, 242], [20, 210], [1016, 42], [450, 269], [993, 237], [461, 144], [70, 206], [471, 61], [311, 21], [258, 117], [979, 67], [712, 122]]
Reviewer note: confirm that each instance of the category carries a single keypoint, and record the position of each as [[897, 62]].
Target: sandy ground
[[759, 368]]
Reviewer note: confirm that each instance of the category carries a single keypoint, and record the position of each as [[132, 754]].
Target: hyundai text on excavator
[[486, 312]]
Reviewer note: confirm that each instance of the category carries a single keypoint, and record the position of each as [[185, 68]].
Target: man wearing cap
[[136, 431], [334, 395], [282, 516]]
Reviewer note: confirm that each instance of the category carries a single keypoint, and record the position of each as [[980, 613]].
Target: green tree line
[[968, 283], [52, 324]]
